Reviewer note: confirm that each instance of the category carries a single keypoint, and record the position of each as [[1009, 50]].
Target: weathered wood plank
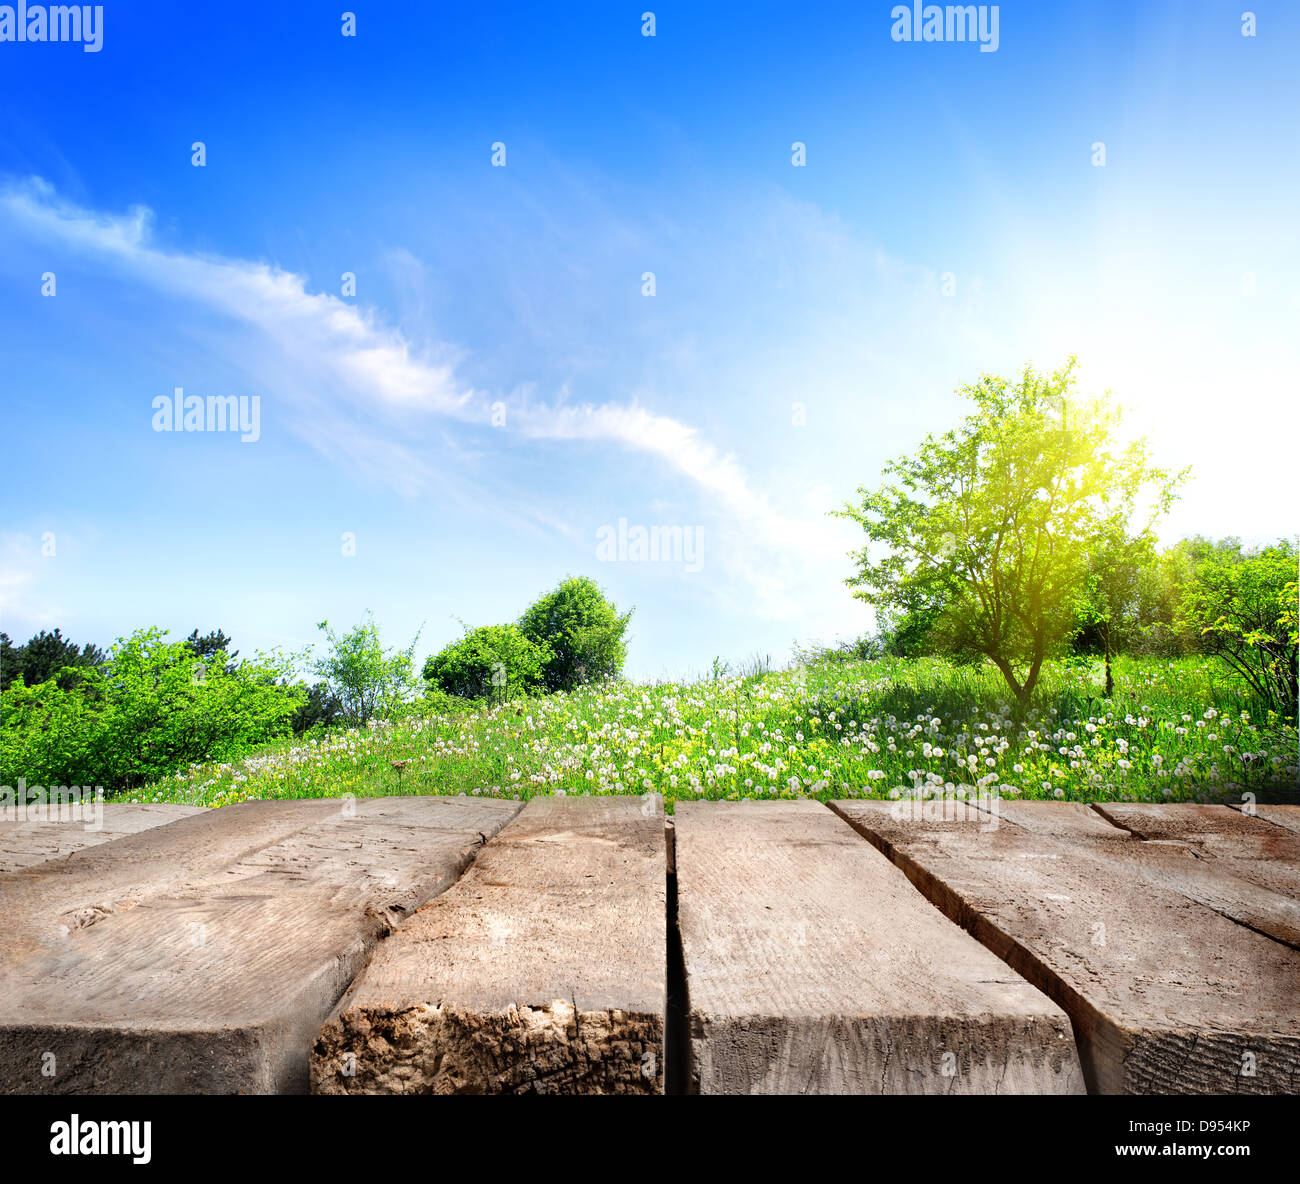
[[24, 842], [1253, 879], [1165, 994], [1056, 820], [813, 966], [1212, 830], [543, 970], [202, 956], [1278, 815], [1242, 866]]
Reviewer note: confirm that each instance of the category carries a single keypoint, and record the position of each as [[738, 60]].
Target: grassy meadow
[[1174, 730]]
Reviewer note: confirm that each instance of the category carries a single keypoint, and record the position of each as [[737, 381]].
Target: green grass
[[1175, 730]]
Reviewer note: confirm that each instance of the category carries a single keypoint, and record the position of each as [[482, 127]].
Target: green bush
[[582, 631], [319, 709], [437, 702], [1240, 606], [493, 661], [150, 708], [364, 679]]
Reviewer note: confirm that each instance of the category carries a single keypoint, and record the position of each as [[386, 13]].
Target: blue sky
[[515, 293]]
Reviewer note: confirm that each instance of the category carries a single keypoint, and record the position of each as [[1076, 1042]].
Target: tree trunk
[[1031, 680], [1007, 673]]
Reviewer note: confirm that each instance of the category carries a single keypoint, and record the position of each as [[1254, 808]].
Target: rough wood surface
[[202, 956], [813, 966], [1213, 828], [543, 970], [1284, 816], [1249, 873], [29, 841], [1242, 866], [1166, 993]]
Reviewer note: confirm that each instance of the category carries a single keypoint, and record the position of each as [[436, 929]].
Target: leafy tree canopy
[[44, 657], [150, 708], [993, 524], [213, 647], [494, 661], [582, 631], [1241, 605], [366, 679]]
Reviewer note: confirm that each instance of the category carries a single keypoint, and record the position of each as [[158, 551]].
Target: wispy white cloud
[[376, 361], [359, 363]]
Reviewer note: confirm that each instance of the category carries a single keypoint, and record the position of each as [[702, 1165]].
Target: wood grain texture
[[542, 971], [27, 842], [1254, 879], [813, 966], [1166, 993], [1241, 866], [1279, 815], [202, 956], [1210, 826]]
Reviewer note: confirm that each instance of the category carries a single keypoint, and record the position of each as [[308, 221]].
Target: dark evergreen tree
[[214, 647], [43, 657]]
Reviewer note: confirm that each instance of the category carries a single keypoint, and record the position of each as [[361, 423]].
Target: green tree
[[906, 631], [319, 708], [1111, 598], [582, 631], [366, 679], [52, 737], [493, 661], [11, 660], [149, 709], [1240, 605], [994, 521], [213, 647], [1160, 585], [43, 657]]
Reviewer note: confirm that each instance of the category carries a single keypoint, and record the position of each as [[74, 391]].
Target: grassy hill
[[1174, 730]]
